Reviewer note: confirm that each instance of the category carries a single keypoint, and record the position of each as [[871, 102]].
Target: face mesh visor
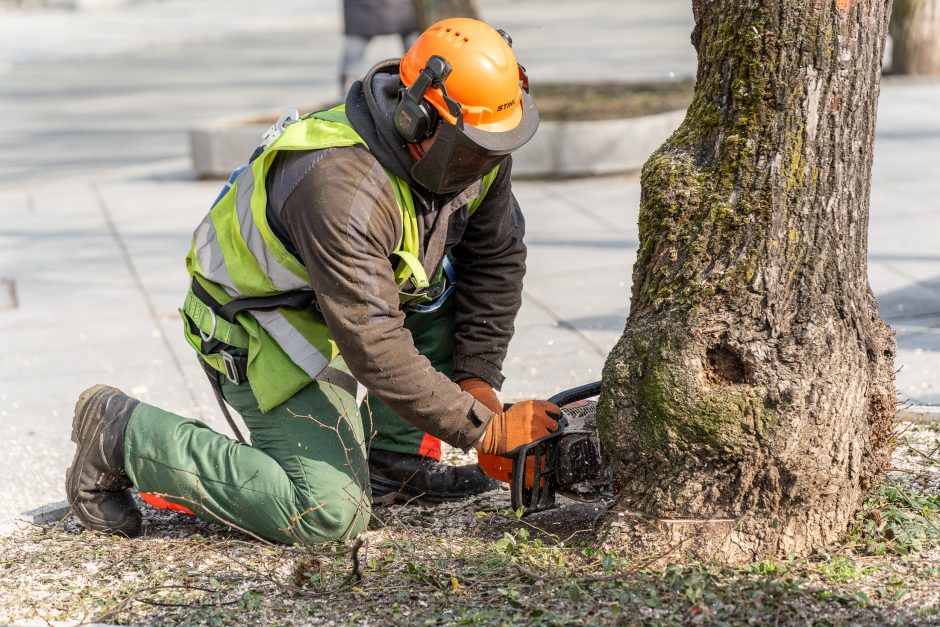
[[453, 162]]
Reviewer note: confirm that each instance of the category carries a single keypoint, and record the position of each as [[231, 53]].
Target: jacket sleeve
[[344, 220], [490, 265]]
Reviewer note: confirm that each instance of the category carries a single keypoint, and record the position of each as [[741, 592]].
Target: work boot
[[403, 477], [96, 483]]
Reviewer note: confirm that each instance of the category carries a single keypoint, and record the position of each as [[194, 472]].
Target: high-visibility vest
[[235, 254]]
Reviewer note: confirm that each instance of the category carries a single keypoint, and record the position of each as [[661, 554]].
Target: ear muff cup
[[414, 121]]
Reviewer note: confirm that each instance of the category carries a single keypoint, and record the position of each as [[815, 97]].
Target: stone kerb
[[560, 149], [593, 147], [221, 146]]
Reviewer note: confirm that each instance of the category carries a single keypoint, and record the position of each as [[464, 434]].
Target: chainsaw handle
[[576, 394]]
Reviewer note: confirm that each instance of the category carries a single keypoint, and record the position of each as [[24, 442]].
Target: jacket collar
[[370, 107]]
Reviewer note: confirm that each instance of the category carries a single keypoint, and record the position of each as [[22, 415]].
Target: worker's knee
[[352, 516], [340, 516]]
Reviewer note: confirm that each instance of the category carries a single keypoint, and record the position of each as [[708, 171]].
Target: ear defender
[[415, 118]]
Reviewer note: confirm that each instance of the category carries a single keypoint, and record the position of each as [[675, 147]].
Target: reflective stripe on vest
[[292, 342]]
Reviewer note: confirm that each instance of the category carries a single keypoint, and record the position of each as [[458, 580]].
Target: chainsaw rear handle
[[579, 393], [561, 399]]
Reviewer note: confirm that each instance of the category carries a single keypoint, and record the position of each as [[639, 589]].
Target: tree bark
[[915, 35], [749, 405]]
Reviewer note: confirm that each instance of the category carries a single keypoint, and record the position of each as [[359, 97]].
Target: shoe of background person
[[403, 477], [96, 483]]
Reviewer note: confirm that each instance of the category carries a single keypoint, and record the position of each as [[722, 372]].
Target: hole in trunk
[[724, 366]]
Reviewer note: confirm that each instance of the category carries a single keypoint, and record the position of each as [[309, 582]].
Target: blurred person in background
[[365, 19]]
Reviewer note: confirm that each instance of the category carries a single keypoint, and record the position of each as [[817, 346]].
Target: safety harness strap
[[210, 325], [295, 300], [342, 380], [217, 390], [235, 369], [418, 276], [222, 317]]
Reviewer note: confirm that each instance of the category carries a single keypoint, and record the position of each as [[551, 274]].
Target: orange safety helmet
[[463, 72], [485, 78]]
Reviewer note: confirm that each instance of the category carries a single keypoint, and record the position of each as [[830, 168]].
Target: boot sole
[[71, 487]]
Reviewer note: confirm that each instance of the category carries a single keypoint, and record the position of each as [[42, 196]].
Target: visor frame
[[505, 142]]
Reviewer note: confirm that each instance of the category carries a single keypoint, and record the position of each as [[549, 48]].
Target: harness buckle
[[277, 129], [447, 286], [208, 337], [231, 370]]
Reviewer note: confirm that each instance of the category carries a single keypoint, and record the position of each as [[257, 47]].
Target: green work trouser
[[305, 477]]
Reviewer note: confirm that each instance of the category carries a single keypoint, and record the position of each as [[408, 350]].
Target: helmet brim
[[505, 142]]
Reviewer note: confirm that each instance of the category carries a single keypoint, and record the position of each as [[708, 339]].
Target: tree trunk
[[915, 35], [748, 406]]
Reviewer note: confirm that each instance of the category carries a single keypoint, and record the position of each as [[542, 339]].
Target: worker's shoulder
[[350, 164], [356, 154], [333, 180]]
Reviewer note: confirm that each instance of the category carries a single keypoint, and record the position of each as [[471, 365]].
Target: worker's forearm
[[382, 356]]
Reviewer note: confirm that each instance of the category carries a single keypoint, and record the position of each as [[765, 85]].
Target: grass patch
[[897, 520]]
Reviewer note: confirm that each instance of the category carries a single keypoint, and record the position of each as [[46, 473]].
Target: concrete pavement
[[97, 205]]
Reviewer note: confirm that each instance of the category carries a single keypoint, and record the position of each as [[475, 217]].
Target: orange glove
[[483, 392], [522, 423], [497, 467], [529, 420]]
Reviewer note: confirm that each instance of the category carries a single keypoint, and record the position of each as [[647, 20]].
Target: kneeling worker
[[377, 242]]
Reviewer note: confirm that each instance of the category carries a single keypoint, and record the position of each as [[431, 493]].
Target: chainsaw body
[[568, 462]]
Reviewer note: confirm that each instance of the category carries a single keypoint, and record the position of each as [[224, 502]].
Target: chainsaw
[[567, 462]]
